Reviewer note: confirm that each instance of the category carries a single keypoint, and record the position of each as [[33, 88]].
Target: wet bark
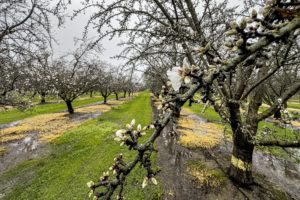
[[277, 114], [190, 102], [43, 98], [240, 169], [70, 107]]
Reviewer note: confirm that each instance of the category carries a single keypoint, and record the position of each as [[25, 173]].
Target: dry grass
[[51, 126], [2, 150], [296, 123], [205, 176], [95, 108], [195, 134]]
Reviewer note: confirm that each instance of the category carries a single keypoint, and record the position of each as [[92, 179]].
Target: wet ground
[[31, 144], [276, 178]]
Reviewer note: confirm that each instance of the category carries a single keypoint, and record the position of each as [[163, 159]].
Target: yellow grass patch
[[15, 130], [196, 134], [207, 177], [2, 150], [95, 108], [295, 123], [50, 126], [12, 137]]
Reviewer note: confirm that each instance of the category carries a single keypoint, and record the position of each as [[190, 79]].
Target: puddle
[[19, 151], [44, 127], [173, 160], [12, 124], [282, 173], [84, 116]]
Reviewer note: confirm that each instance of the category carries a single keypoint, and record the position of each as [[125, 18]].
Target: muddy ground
[[200, 173]]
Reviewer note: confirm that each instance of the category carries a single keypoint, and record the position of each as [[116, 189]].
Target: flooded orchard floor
[[274, 173], [30, 137]]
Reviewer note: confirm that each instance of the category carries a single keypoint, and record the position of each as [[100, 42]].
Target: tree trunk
[[43, 98], [277, 114], [124, 95], [91, 94], [190, 102], [70, 107], [117, 96], [240, 169], [105, 99]]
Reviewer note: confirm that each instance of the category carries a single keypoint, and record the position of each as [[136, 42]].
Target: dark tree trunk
[[70, 107], [117, 96], [91, 94], [277, 114], [43, 98], [105, 99], [4, 94], [240, 169], [124, 94], [190, 102]]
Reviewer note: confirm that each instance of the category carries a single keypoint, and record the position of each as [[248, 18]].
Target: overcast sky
[[74, 29]]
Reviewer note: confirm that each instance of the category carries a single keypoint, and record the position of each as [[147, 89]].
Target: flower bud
[[254, 14], [139, 127], [154, 181], [243, 23], [240, 42], [145, 182], [132, 123], [231, 32]]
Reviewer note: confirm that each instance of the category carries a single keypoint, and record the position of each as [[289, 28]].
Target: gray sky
[[74, 29]]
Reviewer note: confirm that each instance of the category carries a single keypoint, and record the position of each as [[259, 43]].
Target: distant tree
[[24, 30], [39, 77], [74, 77], [105, 82]]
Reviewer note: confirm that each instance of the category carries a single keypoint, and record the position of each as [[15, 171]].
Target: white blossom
[[152, 126], [174, 78], [90, 184], [120, 133]]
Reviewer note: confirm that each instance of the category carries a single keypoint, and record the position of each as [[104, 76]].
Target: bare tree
[[76, 76]]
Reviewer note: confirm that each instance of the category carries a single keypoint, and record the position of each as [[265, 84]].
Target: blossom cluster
[[130, 135]]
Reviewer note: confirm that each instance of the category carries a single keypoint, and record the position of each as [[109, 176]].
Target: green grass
[[81, 155], [15, 114], [295, 105]]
